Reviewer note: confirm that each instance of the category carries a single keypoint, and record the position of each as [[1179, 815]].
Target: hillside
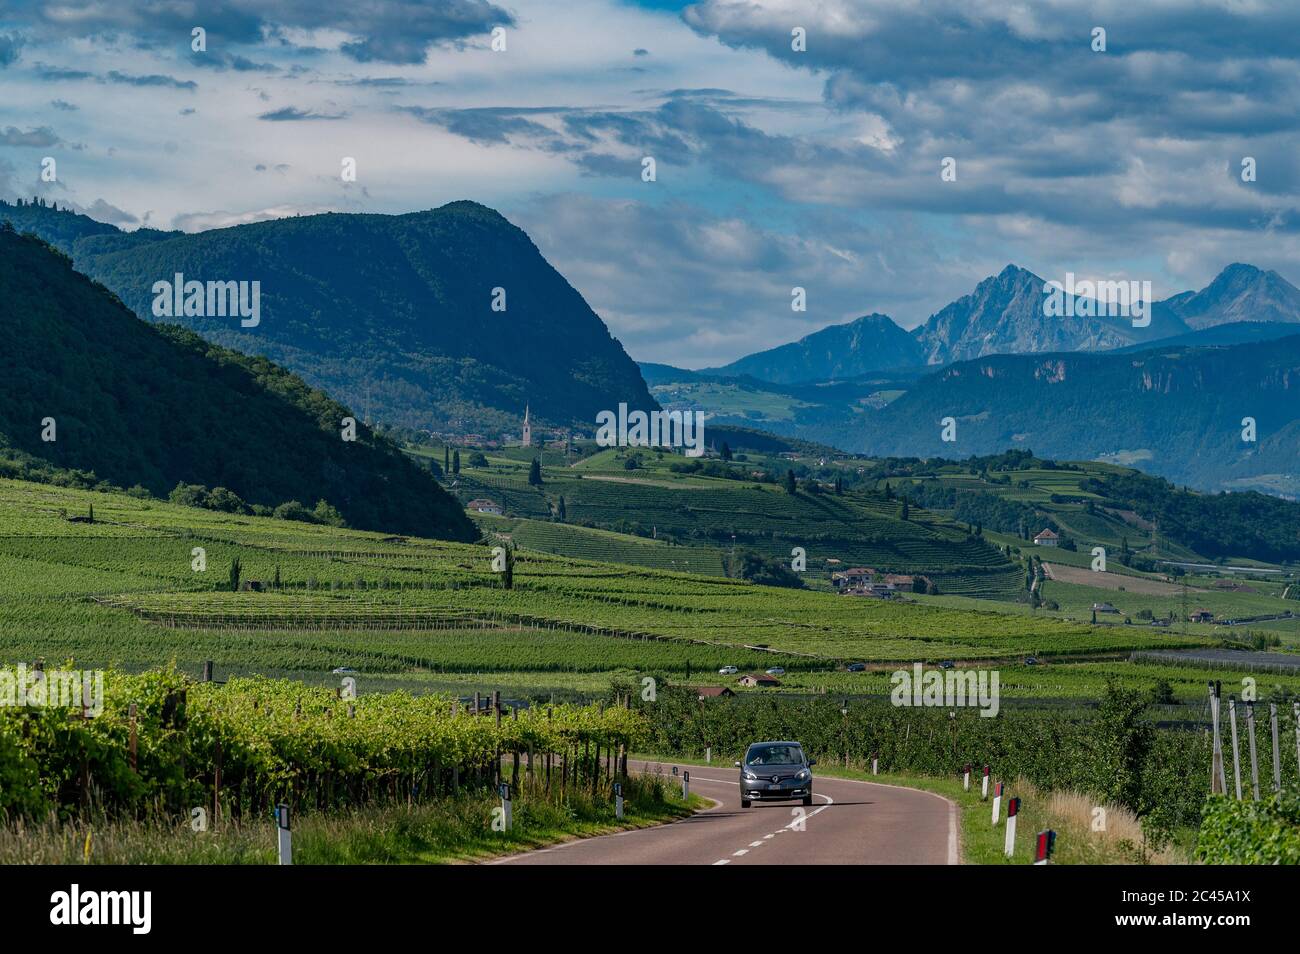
[[870, 343], [1175, 412], [392, 314], [157, 406]]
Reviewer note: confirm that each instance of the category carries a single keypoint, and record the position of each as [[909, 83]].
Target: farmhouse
[[713, 692], [758, 679], [1046, 538], [847, 579], [1202, 616], [483, 505]]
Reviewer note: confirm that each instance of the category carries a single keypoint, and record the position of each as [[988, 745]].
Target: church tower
[[527, 439]]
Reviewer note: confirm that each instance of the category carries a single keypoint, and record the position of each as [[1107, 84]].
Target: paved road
[[858, 823]]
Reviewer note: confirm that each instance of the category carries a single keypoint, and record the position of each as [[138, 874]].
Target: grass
[[444, 831]]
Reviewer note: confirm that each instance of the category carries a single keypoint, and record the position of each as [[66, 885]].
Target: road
[[850, 823]]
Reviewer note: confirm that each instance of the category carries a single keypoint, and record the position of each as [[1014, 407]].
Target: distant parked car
[[728, 671], [1031, 660], [776, 671], [946, 664], [857, 667], [342, 671]]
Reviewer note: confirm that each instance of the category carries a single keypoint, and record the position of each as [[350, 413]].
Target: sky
[[775, 167]]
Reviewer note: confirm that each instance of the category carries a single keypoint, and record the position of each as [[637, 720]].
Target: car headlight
[[805, 775], [751, 777]]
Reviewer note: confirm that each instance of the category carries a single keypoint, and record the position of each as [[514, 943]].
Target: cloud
[[11, 45], [64, 105], [294, 114], [202, 221], [101, 211], [393, 31], [153, 79], [43, 136]]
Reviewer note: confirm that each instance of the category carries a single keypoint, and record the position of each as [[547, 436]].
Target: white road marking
[[724, 861], [737, 854], [756, 844]]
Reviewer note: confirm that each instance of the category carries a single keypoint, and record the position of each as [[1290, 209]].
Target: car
[[728, 671], [946, 664], [776, 671], [775, 772], [1031, 660], [342, 671], [857, 667]]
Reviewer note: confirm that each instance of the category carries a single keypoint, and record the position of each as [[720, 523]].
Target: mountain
[[1005, 315], [1239, 293], [156, 405], [392, 314], [870, 343], [1237, 332], [1173, 411]]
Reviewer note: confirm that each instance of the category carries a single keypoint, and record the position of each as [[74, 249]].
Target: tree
[[92, 513], [275, 580], [535, 473], [478, 459], [560, 511], [726, 451], [455, 462], [907, 509], [236, 570], [889, 491], [446, 459], [188, 495], [790, 485], [327, 514], [508, 577], [839, 486]]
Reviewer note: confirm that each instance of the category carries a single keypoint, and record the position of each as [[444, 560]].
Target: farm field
[[124, 591]]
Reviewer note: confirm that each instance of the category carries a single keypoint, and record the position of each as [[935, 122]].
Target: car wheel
[[807, 799], [744, 803]]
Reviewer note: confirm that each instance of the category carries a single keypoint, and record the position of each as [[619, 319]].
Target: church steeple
[[527, 439]]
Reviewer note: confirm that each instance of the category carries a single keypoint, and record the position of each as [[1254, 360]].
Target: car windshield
[[774, 755]]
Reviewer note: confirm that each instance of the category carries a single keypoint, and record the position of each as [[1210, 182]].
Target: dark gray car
[[775, 772]]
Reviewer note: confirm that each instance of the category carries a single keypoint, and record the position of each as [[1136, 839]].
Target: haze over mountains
[[391, 314]]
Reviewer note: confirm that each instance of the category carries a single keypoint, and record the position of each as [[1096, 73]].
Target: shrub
[[1251, 833]]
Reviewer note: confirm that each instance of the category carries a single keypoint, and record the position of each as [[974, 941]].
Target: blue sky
[[776, 168]]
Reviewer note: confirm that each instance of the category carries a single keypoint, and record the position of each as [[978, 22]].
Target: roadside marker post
[[1236, 753], [875, 763], [984, 792], [1013, 809], [965, 782], [708, 755], [282, 825], [686, 786], [618, 799], [1046, 845], [997, 803], [504, 790]]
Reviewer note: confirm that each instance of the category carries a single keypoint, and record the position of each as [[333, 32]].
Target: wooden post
[[1218, 784], [1254, 761], [216, 787], [207, 671], [131, 710], [1295, 709], [1277, 751], [1236, 754]]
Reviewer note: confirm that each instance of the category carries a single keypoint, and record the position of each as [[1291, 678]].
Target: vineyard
[[163, 744]]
